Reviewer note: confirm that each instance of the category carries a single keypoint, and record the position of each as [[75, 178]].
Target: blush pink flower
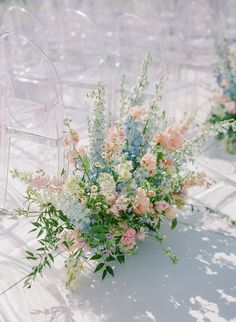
[[184, 127], [171, 139], [114, 210], [73, 156], [161, 206], [137, 113], [74, 137], [56, 185], [141, 235], [129, 236], [142, 202], [148, 162], [81, 151], [168, 164], [74, 239], [39, 182]]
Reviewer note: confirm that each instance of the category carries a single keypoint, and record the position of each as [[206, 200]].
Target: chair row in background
[[186, 31], [181, 35], [50, 40]]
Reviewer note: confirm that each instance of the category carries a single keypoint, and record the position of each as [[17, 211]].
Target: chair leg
[[5, 173]]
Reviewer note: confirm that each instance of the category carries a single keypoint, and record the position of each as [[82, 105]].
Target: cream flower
[[124, 169]]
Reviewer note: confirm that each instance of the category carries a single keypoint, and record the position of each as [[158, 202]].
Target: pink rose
[[40, 182], [161, 206], [141, 235], [129, 236]]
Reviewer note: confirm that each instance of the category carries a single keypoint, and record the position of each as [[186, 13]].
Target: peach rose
[[170, 213], [148, 162], [171, 139], [137, 113]]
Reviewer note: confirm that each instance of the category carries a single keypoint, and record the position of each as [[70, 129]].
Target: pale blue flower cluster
[[97, 125], [134, 140], [78, 214]]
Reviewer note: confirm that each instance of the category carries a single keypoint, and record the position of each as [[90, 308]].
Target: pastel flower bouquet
[[225, 97], [132, 177]]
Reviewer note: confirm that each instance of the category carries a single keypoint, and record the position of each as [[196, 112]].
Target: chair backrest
[[20, 21], [82, 42], [132, 39], [30, 85], [201, 30]]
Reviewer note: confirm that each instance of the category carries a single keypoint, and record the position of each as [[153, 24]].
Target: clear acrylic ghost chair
[[31, 109], [81, 56], [103, 12], [132, 39], [201, 30], [150, 11], [20, 21]]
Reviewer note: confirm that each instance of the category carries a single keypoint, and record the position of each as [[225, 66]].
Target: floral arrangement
[[225, 97], [132, 177]]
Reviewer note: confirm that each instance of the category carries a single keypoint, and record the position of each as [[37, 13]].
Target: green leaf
[[110, 258], [32, 230], [40, 233], [51, 257], [36, 224], [41, 249], [121, 259], [31, 258], [99, 267], [174, 223], [97, 229], [30, 253], [110, 270], [62, 216], [104, 274], [101, 236], [53, 222], [96, 256], [47, 262]]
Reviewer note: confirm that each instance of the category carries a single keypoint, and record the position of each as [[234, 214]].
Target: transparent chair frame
[[26, 121]]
